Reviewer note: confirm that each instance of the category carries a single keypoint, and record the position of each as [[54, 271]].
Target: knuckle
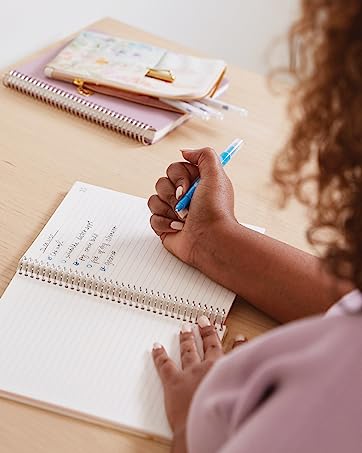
[[170, 198], [154, 224], [186, 349], [170, 213], [210, 153], [160, 184], [212, 346], [161, 360], [151, 201], [208, 331], [164, 189], [185, 337], [186, 355], [209, 150], [173, 168], [181, 181], [198, 370]]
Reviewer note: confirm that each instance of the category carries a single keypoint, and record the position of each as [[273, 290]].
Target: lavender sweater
[[297, 389]]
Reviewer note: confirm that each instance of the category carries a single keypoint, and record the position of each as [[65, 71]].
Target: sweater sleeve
[[297, 389]]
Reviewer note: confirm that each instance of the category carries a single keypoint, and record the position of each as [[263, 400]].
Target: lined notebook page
[[107, 234], [92, 358]]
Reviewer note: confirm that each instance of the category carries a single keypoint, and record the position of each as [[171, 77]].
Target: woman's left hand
[[179, 385]]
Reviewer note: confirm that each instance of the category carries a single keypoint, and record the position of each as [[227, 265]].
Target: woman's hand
[[212, 205], [179, 385]]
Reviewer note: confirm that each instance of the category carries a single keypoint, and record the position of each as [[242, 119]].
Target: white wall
[[240, 31]]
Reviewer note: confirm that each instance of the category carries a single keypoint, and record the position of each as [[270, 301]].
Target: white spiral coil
[[77, 106], [140, 298]]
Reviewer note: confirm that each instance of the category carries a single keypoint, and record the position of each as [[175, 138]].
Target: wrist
[[209, 247], [179, 440]]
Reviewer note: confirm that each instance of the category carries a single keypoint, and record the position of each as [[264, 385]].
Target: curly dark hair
[[324, 150]]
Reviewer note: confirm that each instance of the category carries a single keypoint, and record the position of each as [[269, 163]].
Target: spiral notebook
[[141, 122], [91, 295]]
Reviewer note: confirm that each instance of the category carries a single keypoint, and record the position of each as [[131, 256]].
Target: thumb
[[206, 159]]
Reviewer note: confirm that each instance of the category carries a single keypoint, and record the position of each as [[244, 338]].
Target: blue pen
[[225, 157]]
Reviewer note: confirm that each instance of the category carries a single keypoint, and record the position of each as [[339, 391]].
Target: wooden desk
[[43, 151]]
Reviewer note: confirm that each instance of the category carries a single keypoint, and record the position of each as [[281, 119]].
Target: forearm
[[282, 281]]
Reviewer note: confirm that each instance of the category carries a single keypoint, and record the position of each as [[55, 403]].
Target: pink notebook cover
[[156, 118]]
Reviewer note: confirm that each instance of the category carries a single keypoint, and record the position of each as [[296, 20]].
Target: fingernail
[[179, 191], [157, 346], [240, 338], [186, 328], [175, 225], [203, 321], [189, 149], [183, 213]]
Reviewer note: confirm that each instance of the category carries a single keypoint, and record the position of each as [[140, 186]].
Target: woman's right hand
[[211, 209]]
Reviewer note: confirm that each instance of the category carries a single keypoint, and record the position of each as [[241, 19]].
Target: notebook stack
[[144, 123]]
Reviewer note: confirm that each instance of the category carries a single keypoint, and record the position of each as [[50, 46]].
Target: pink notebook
[[143, 123]]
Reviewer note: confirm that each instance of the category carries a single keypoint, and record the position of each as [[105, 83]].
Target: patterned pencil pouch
[[100, 62]]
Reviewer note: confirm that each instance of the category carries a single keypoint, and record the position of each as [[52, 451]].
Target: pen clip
[[161, 74]]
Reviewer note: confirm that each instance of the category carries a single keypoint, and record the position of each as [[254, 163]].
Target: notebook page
[[72, 351], [107, 234]]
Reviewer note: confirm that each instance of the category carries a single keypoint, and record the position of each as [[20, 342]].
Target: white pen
[[188, 108], [224, 106], [212, 112]]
